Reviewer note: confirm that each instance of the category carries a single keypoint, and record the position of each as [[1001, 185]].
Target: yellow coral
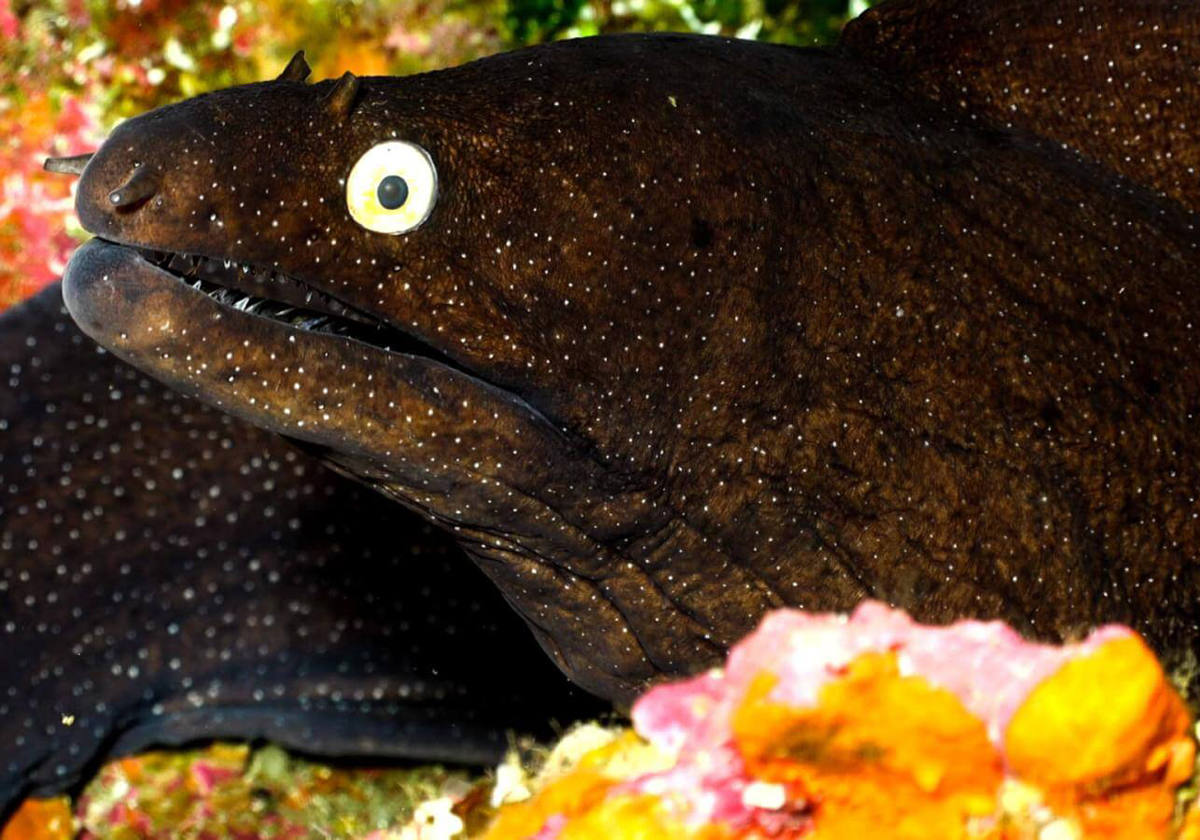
[[1106, 738], [881, 755], [572, 795], [41, 819], [640, 817], [1191, 824]]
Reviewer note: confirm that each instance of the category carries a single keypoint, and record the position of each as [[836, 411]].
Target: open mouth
[[275, 296]]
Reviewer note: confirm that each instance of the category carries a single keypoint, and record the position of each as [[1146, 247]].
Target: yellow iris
[[395, 173]]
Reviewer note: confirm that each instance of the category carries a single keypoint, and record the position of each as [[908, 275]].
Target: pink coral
[[986, 665], [10, 27]]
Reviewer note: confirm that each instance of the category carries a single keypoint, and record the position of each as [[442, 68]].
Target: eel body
[[667, 331], [168, 573]]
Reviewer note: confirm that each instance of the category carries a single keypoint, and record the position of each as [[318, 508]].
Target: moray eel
[[169, 573], [667, 330]]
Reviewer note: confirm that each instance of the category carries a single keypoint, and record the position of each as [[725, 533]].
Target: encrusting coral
[[831, 727]]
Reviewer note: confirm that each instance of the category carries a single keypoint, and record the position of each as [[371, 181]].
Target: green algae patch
[[236, 791]]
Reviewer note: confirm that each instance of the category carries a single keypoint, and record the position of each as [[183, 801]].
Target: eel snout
[[104, 188]]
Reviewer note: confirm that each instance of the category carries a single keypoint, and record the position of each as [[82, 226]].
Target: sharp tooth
[[242, 304], [196, 285]]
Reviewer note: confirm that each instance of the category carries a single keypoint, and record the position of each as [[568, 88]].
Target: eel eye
[[392, 187]]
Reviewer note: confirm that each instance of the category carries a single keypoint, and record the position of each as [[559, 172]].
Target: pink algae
[[986, 664]]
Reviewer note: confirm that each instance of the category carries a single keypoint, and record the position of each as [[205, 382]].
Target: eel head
[[435, 296]]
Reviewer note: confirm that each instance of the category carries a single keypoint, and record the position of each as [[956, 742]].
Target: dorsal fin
[[1115, 79]]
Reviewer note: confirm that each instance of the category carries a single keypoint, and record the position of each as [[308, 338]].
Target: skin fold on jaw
[[694, 328]]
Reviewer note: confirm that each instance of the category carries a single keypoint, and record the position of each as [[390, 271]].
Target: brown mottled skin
[[1115, 81], [708, 327]]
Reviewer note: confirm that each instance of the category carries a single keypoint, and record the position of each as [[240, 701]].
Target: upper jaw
[[274, 295], [246, 280]]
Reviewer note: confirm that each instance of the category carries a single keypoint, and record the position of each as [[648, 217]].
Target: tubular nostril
[[141, 185], [67, 165]]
